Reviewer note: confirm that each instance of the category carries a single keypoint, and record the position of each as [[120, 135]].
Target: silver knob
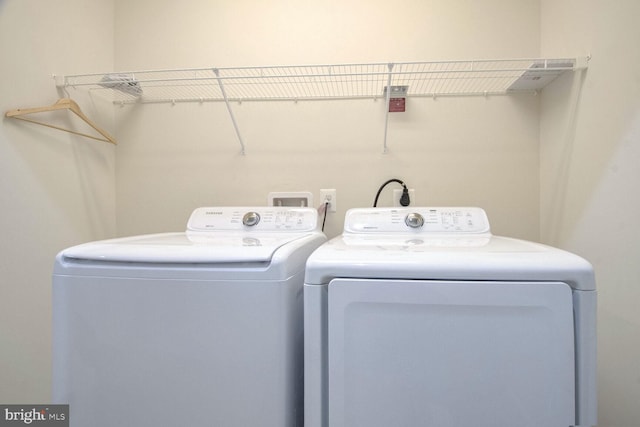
[[250, 219], [414, 220]]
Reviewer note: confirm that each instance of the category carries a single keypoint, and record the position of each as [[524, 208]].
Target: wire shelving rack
[[325, 82]]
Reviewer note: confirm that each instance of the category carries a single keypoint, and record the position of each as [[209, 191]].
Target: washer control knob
[[414, 220], [250, 219]]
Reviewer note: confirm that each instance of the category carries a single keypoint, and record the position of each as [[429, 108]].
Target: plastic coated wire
[[326, 208], [404, 189]]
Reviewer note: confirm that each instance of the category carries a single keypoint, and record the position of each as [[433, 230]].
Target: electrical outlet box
[[300, 199], [397, 98], [329, 195], [397, 193]]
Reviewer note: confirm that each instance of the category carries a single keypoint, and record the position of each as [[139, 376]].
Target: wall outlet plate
[[329, 195]]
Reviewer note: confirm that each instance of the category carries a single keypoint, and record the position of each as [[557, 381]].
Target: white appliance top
[[440, 244], [214, 235]]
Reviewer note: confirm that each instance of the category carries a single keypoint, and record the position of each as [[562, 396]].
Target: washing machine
[[421, 317], [196, 328]]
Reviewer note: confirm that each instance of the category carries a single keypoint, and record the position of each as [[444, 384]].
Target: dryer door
[[450, 354]]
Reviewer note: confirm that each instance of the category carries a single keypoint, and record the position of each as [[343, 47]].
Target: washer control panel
[[253, 219], [465, 220]]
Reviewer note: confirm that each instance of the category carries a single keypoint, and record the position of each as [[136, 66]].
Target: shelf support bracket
[[386, 106], [226, 101]]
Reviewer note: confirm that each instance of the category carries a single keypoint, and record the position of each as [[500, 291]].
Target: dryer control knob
[[251, 218], [414, 220]]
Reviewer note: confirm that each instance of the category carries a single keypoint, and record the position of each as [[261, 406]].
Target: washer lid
[[214, 235], [186, 247]]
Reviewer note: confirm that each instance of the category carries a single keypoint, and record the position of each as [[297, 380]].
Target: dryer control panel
[[458, 220], [253, 219]]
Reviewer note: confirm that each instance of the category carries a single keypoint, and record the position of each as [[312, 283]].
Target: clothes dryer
[[198, 328], [421, 317]]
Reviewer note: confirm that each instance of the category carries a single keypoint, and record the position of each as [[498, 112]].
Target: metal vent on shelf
[[540, 74]]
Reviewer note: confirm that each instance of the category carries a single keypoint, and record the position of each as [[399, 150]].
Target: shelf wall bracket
[[387, 102], [226, 101]]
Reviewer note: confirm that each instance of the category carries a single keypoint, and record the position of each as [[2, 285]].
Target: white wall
[[590, 151], [453, 151], [55, 189], [578, 191]]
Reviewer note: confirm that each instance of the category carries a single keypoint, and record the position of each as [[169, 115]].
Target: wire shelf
[[323, 82]]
